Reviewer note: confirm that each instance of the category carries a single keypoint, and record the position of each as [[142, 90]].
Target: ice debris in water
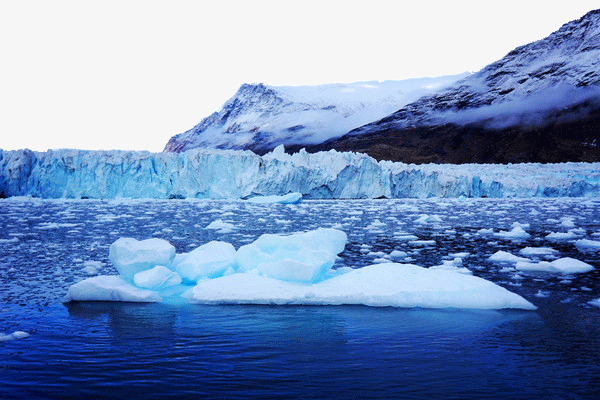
[[290, 198], [516, 233], [428, 219], [595, 302], [220, 226], [564, 265], [283, 269], [13, 336], [538, 251], [587, 244], [504, 256]]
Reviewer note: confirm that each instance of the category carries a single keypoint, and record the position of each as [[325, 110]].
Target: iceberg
[[286, 269], [231, 174]]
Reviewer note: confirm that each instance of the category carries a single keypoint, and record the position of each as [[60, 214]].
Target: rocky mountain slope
[[541, 102], [260, 117]]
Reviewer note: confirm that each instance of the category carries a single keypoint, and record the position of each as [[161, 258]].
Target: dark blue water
[[114, 350]]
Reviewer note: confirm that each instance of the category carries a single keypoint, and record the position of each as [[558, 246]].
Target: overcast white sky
[[130, 74]]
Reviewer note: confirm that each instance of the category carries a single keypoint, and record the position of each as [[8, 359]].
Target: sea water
[[115, 350]]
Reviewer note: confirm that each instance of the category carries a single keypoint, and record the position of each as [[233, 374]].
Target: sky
[[131, 74]]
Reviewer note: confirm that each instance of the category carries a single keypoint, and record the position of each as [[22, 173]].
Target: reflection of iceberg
[[292, 269], [242, 174]]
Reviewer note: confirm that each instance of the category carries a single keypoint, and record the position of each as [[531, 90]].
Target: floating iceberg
[[283, 269], [203, 173]]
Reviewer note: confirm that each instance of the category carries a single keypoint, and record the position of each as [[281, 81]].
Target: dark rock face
[[559, 140]]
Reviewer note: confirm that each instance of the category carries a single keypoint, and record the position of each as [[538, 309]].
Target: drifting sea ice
[[564, 265], [13, 336], [290, 198]]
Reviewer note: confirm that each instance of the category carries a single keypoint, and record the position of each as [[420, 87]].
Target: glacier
[[238, 174]]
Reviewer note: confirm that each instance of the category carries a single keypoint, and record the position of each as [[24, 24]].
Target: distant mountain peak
[[260, 117]]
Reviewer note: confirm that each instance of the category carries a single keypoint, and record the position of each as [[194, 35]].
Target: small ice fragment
[[504, 256], [290, 198], [586, 244], [220, 226], [538, 251], [428, 219], [516, 233], [13, 336], [561, 236], [398, 254], [422, 243]]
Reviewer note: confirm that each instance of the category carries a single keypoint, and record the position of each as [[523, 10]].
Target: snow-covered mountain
[[260, 117], [545, 84], [234, 174]]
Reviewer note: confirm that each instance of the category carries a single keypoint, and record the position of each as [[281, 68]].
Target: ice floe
[[13, 336], [564, 265]]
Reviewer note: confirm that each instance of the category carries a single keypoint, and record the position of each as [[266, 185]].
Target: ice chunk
[[504, 256], [109, 288], [565, 265], [428, 219], [561, 236], [290, 198], [516, 233], [220, 226], [157, 278], [452, 265], [570, 265], [586, 244], [396, 285], [595, 302], [130, 256], [302, 256], [13, 336], [538, 251], [207, 261], [398, 254]]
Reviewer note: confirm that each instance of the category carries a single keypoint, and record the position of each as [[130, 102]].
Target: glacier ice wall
[[230, 174]]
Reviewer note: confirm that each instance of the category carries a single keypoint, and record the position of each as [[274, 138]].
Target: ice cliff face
[[260, 117], [560, 70], [240, 174]]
